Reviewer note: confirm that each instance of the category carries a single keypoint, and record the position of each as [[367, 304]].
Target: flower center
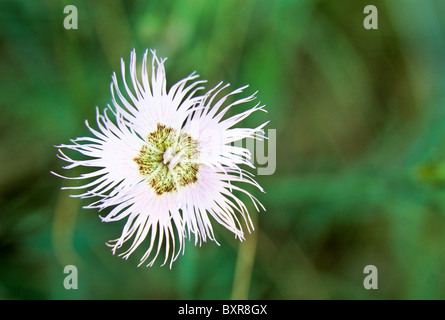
[[169, 160]]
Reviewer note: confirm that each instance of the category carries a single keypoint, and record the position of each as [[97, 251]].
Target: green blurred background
[[360, 120]]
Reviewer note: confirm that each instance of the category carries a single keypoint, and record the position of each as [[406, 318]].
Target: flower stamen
[[165, 161]]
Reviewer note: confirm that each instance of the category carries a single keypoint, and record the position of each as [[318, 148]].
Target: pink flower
[[164, 161]]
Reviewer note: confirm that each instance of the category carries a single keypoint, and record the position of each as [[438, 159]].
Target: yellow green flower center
[[169, 160]]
